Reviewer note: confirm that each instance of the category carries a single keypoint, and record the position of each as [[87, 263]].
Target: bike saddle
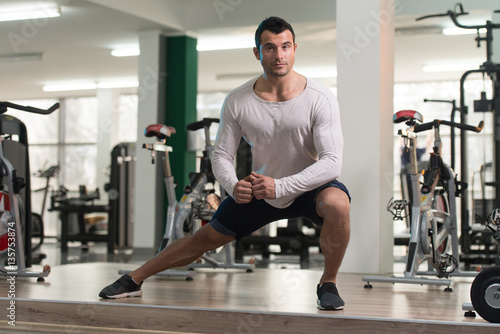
[[159, 130], [407, 115]]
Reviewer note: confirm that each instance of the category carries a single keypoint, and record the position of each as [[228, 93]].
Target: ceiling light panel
[[31, 12], [461, 31], [450, 67], [21, 57], [62, 87], [126, 52], [213, 44]]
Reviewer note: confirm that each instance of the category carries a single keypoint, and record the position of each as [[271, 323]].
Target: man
[[293, 127]]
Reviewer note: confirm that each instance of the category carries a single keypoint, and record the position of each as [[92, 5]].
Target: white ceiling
[[77, 45]]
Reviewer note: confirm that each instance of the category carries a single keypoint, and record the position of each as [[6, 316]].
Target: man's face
[[276, 53]]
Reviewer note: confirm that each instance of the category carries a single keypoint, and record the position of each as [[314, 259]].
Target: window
[[69, 137]]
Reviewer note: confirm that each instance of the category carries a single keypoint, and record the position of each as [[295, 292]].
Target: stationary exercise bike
[[37, 230], [433, 223], [198, 203], [12, 215]]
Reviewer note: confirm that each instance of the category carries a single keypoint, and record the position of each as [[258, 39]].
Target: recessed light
[[450, 67], [125, 52], [461, 31], [90, 85], [21, 57], [118, 84], [213, 45], [70, 86], [41, 10]]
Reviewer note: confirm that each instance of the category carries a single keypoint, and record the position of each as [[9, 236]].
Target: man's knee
[[208, 237], [332, 202]]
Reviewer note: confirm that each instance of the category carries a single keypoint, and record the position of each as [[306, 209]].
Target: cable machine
[[492, 70]]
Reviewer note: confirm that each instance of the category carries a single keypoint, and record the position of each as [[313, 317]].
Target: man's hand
[[263, 187], [242, 191]]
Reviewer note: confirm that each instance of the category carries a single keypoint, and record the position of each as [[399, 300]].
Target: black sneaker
[[328, 297], [122, 288]]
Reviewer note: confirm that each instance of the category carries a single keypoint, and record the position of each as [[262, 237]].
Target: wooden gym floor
[[230, 301]]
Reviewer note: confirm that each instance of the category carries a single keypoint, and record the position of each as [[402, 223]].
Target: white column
[[365, 66], [147, 186]]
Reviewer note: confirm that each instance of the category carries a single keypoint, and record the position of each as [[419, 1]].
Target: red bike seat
[[406, 115], [159, 130]]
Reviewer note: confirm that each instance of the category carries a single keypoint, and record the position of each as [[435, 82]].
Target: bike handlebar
[[450, 13], [4, 105], [437, 122], [453, 16], [201, 124], [441, 101]]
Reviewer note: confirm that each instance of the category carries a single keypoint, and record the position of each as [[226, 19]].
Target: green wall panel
[[181, 92]]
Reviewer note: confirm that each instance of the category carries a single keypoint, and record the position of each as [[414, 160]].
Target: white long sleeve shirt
[[297, 142]]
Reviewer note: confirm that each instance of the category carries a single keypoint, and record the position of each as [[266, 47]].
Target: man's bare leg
[[332, 204], [182, 252]]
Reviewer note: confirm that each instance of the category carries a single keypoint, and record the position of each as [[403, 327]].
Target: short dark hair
[[275, 25]]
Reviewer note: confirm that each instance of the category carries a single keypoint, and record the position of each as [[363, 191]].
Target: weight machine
[[492, 70], [15, 194], [485, 289]]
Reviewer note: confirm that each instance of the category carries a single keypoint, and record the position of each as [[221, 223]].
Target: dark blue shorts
[[239, 220]]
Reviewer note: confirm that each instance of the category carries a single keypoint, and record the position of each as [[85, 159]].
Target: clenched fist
[[242, 191], [263, 187]]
